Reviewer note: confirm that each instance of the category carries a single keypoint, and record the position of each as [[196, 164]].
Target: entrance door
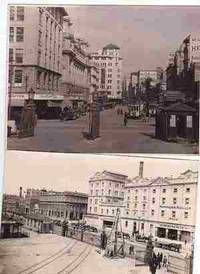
[[172, 234], [180, 125], [161, 232]]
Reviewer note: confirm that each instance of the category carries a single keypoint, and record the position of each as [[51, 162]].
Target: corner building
[[35, 52], [162, 207]]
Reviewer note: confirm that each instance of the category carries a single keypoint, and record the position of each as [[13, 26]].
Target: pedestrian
[[159, 260], [125, 119], [165, 261], [17, 118], [153, 264], [131, 249]]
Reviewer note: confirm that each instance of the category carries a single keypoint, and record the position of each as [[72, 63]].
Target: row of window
[[107, 211], [116, 185], [164, 190], [16, 13], [16, 55], [16, 34], [187, 200], [109, 193]]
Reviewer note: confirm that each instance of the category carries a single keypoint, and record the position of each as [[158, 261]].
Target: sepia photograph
[[69, 213], [103, 79]]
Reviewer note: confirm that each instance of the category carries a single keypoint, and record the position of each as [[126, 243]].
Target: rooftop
[[111, 46]]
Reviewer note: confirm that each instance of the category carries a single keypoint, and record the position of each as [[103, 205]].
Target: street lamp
[[11, 70]]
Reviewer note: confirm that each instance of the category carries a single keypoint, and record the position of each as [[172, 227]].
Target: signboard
[[189, 121], [172, 122], [176, 226], [194, 49], [24, 96]]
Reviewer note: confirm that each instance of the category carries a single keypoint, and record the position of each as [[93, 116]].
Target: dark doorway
[[180, 125], [161, 232], [172, 234]]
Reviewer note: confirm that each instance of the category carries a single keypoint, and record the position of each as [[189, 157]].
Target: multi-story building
[[109, 62], [162, 207], [11, 203], [75, 84], [31, 200], [62, 206], [106, 194], [35, 55]]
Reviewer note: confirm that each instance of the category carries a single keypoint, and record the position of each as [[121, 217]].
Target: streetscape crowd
[[157, 261]]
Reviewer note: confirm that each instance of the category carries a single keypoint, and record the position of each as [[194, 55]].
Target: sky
[[71, 172], [146, 35]]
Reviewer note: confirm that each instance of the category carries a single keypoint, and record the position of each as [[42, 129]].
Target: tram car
[[135, 111]]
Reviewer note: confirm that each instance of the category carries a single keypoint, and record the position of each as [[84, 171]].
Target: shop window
[[20, 34]]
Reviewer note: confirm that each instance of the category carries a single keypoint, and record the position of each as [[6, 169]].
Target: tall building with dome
[[109, 63]]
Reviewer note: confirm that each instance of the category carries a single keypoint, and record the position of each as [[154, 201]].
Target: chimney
[[20, 192], [141, 169]]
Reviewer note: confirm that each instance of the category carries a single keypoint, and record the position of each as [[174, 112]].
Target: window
[[18, 76], [162, 213], [102, 211], [144, 198], [175, 190], [128, 197], [11, 35], [20, 34], [153, 200], [163, 201], [109, 192], [187, 201], [188, 190], [110, 81], [40, 17], [109, 70], [136, 198], [154, 190], [152, 212], [90, 209], [12, 13], [10, 55], [39, 38], [96, 201], [126, 223], [95, 209], [185, 214], [136, 190], [20, 13], [19, 56], [143, 206], [173, 214], [142, 226], [164, 190], [174, 201], [107, 211], [135, 205], [113, 211], [127, 205]]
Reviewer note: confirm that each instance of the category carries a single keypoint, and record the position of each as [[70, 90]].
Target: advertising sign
[[195, 49]]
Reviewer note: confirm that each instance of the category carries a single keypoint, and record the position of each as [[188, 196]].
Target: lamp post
[[11, 61]]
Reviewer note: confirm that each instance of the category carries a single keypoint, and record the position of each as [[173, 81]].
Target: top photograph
[[103, 79]]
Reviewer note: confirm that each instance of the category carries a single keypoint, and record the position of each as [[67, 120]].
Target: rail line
[[85, 254], [52, 258]]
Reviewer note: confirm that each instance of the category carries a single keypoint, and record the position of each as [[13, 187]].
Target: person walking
[[165, 261], [153, 263], [159, 260], [125, 119]]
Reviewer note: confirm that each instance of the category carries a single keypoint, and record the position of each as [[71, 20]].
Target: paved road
[[136, 137]]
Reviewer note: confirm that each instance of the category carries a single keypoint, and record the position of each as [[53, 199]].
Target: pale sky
[[71, 172], [146, 35]]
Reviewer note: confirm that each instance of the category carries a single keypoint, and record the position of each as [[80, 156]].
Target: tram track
[[69, 268], [35, 267]]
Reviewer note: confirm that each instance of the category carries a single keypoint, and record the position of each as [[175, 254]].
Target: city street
[[136, 137], [49, 253]]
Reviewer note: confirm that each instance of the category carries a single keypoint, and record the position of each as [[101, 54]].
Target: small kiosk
[[177, 121]]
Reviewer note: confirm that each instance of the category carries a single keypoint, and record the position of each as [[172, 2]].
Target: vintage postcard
[[97, 79], [70, 213]]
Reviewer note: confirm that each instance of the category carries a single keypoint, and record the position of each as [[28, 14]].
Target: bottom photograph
[[86, 213]]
